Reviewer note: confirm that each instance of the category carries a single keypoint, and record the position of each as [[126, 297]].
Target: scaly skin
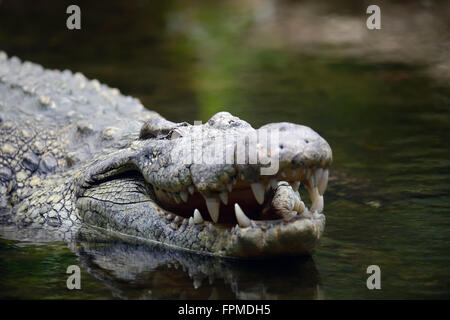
[[75, 152]]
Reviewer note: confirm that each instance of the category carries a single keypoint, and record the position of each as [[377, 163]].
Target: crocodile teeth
[[197, 217], [318, 205], [242, 219], [258, 191], [313, 193], [316, 200], [297, 203], [295, 185], [175, 197], [323, 182], [224, 197], [308, 174], [213, 208], [318, 174], [191, 189], [230, 186], [191, 221], [184, 196]]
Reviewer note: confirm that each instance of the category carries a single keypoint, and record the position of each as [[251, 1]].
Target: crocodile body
[[74, 152]]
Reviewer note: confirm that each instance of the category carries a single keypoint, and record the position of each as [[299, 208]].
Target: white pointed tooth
[[242, 219], [298, 201], [313, 193], [258, 191], [230, 186], [213, 208], [184, 196], [273, 183], [308, 173], [320, 204], [242, 176], [295, 185], [175, 197], [323, 182], [318, 174], [197, 283], [191, 221], [311, 178], [191, 189], [297, 204], [197, 217], [224, 197], [316, 200]]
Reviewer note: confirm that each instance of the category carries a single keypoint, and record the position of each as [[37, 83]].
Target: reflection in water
[[137, 271]]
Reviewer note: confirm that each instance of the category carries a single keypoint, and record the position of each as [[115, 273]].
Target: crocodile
[[75, 152]]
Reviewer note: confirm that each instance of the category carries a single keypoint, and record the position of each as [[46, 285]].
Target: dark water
[[386, 117]]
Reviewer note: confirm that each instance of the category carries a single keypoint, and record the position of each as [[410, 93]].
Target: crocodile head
[[221, 188]]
